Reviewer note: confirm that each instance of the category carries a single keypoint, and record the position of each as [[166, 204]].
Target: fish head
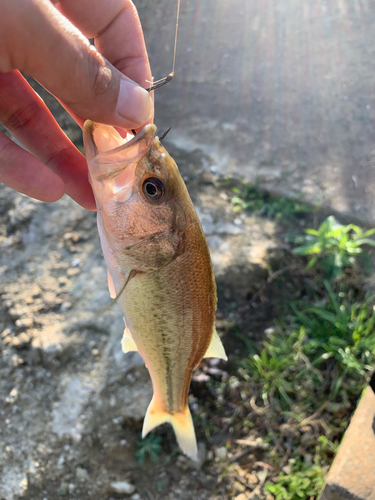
[[143, 204]]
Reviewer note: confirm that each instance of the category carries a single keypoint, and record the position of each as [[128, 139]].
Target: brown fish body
[[182, 331], [154, 245]]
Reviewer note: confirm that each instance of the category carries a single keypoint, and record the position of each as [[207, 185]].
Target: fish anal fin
[[127, 342], [216, 348], [181, 422], [111, 286]]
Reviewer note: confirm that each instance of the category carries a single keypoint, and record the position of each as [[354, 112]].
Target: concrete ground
[[277, 91]]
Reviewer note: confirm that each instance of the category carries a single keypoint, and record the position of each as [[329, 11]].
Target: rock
[[308, 459], [65, 306], [221, 453], [82, 474], [136, 496], [24, 323], [252, 479], [242, 496], [239, 487], [122, 487], [353, 470], [13, 396]]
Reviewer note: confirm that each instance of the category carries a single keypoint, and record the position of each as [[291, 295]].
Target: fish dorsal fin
[[111, 286], [127, 342], [216, 348]]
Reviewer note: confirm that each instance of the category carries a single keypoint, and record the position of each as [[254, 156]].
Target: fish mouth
[[105, 145], [112, 159]]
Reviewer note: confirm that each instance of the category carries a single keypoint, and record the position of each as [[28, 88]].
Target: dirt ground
[[72, 403], [277, 92]]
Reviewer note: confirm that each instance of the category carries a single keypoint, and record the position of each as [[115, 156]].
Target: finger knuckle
[[21, 116], [102, 74]]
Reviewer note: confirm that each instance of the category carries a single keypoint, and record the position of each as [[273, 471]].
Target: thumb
[[38, 40]]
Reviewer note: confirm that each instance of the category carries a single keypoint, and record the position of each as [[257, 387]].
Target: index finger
[[116, 28]]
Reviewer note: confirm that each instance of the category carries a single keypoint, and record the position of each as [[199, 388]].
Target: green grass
[[302, 482], [334, 247], [249, 197], [320, 356], [322, 345]]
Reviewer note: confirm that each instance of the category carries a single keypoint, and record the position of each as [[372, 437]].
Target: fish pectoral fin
[[216, 348], [127, 342], [132, 273], [111, 286], [181, 422]]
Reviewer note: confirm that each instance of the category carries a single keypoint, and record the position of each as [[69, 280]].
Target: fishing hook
[[165, 133], [161, 82]]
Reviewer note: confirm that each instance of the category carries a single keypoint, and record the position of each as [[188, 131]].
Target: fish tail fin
[[181, 422]]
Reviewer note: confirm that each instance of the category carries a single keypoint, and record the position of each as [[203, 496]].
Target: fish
[[159, 267]]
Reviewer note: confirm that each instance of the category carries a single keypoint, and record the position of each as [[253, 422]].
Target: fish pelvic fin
[[181, 422], [127, 342], [111, 287], [216, 348]]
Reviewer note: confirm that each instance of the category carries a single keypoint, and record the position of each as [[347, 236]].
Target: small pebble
[[82, 474], [60, 462], [122, 487], [221, 453], [65, 306], [239, 487], [308, 459]]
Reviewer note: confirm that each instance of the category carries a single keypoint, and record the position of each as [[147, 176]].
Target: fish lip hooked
[[147, 133]]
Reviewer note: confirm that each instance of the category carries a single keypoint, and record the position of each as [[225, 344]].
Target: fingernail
[[134, 103]]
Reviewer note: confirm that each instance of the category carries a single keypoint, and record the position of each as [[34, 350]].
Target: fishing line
[[175, 38], [168, 78]]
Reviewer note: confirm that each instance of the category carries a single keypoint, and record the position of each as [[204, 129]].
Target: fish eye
[[153, 188]]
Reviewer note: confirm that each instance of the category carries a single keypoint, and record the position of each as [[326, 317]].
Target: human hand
[[48, 42]]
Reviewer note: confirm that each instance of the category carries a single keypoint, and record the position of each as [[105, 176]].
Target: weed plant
[[322, 346], [150, 447], [249, 197], [302, 482], [334, 247], [319, 357]]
